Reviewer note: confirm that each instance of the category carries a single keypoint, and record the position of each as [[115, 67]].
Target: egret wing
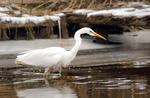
[[43, 57]]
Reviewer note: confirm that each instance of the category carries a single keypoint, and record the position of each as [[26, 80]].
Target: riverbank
[[131, 17]]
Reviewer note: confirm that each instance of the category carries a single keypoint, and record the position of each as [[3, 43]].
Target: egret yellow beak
[[99, 36]]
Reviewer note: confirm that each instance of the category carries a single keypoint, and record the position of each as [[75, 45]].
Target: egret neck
[[78, 41]]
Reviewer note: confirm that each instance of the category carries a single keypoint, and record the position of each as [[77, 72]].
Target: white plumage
[[43, 57], [54, 57]]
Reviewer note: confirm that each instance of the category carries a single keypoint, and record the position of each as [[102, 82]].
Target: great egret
[[54, 57]]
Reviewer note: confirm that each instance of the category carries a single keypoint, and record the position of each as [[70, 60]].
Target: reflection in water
[[7, 91], [46, 89], [47, 92]]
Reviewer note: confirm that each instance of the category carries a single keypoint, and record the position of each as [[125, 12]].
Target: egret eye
[[91, 32]]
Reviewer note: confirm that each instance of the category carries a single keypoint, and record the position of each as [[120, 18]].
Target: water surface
[[113, 81]]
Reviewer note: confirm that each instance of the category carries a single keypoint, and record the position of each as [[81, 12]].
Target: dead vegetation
[[39, 7], [32, 31]]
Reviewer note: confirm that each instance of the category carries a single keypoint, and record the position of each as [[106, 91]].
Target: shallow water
[[113, 81], [130, 78]]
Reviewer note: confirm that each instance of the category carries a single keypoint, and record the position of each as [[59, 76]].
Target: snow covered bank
[[140, 10], [124, 12], [25, 18]]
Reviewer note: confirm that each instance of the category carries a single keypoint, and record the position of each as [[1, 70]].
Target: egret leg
[[45, 72], [60, 70], [46, 82], [69, 68]]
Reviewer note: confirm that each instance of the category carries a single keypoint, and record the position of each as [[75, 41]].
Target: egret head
[[91, 32]]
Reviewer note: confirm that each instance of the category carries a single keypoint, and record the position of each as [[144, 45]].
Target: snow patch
[[17, 12], [3, 15], [59, 14], [27, 18], [138, 4], [133, 9], [82, 11], [124, 12], [7, 8]]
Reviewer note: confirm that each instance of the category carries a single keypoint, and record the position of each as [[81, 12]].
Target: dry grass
[[21, 1], [40, 7]]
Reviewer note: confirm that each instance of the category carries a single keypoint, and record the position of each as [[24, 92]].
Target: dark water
[[128, 79], [113, 81]]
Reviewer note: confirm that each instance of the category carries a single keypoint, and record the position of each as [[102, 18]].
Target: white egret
[[54, 57]]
